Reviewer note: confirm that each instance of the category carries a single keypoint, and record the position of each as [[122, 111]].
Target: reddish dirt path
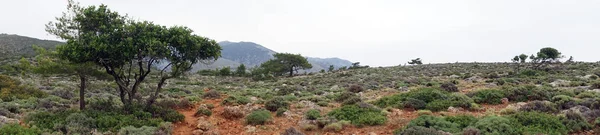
[[188, 124]]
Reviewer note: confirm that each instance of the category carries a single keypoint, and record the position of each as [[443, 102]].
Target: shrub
[[489, 96], [463, 121], [539, 106], [280, 112], [587, 94], [79, 123], [16, 129], [236, 100], [355, 88], [333, 127], [292, 131], [424, 94], [413, 103], [595, 85], [433, 122], [526, 93], [131, 130], [575, 121], [258, 117], [212, 94], [352, 100], [11, 89], [424, 112], [471, 131], [309, 127], [496, 125], [564, 101], [232, 112], [312, 114], [203, 112], [536, 123], [418, 130], [449, 87], [344, 96], [359, 116], [438, 105], [276, 103]]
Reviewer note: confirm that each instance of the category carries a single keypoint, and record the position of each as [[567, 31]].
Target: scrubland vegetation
[[113, 85]]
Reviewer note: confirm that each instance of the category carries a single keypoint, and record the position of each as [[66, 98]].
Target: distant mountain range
[[233, 53], [252, 54]]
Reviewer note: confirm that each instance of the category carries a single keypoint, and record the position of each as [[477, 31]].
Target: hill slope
[[16, 46]]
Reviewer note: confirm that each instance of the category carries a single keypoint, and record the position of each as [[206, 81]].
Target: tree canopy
[[286, 63], [547, 54], [127, 49], [415, 61]]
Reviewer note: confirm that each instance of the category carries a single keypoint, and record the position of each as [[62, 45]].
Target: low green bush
[[539, 106], [434, 122], [359, 115], [258, 117], [312, 114], [563, 101], [496, 125], [489, 96], [276, 103], [463, 121], [418, 130], [236, 100], [539, 123], [575, 121], [526, 93], [413, 103], [203, 112], [16, 129]]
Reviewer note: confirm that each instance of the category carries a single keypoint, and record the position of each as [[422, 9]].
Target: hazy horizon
[[375, 33]]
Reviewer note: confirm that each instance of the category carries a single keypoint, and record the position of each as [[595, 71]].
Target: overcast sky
[[373, 32]]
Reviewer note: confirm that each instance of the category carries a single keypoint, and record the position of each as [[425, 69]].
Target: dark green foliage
[[284, 63], [539, 106], [258, 117], [432, 99], [241, 70], [203, 112], [418, 130], [11, 89], [433, 122], [345, 96], [276, 103], [449, 87], [212, 94], [352, 100], [16, 129], [236, 100], [280, 112], [526, 93], [535, 123], [490, 96], [563, 101], [471, 131], [359, 115], [530, 73], [575, 121], [496, 125], [595, 85], [463, 121], [413, 103], [355, 88], [226, 71], [312, 114]]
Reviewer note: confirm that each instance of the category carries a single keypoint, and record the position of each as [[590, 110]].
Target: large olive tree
[[129, 50]]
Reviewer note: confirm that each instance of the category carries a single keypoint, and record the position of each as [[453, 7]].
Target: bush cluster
[[359, 115], [258, 117], [426, 98], [489, 96], [276, 103]]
